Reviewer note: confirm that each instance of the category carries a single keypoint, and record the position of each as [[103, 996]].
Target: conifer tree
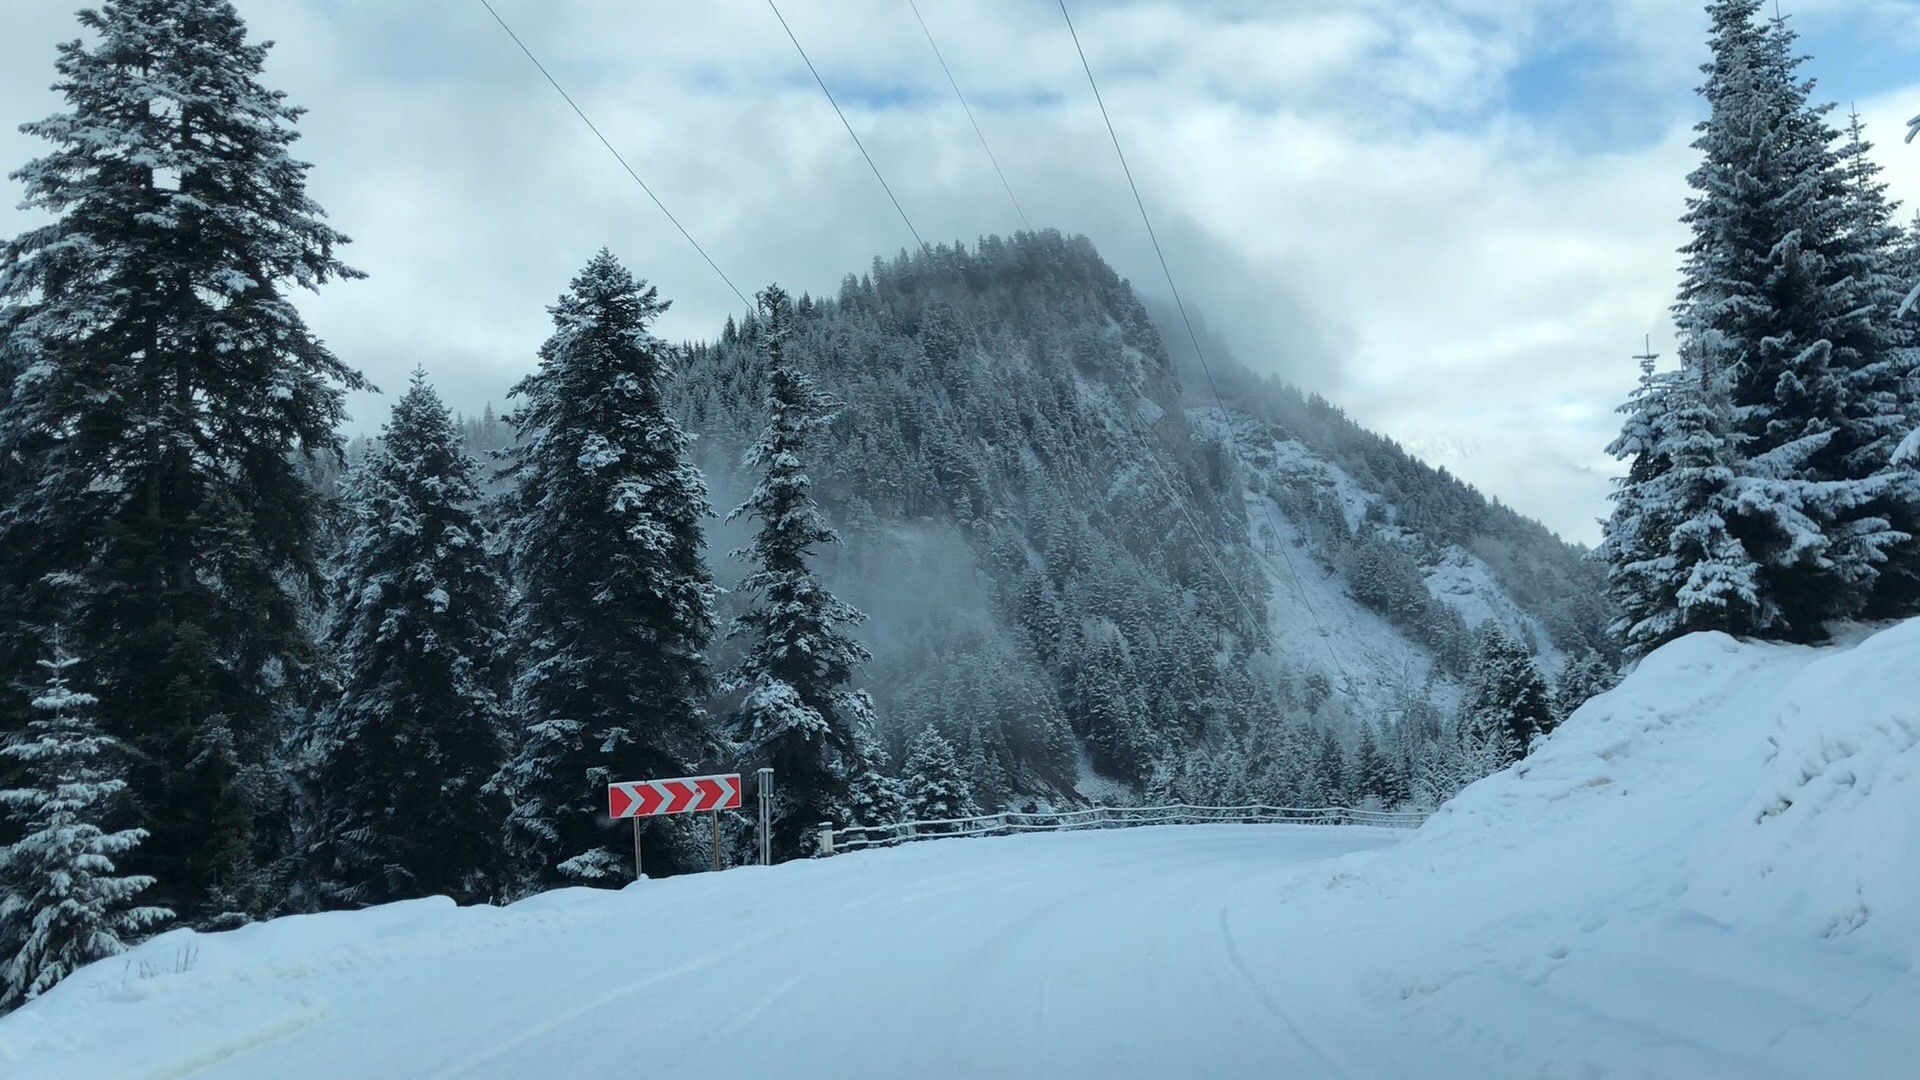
[[603, 533], [797, 713], [1882, 403], [1372, 771], [1674, 564], [935, 789], [1117, 738], [166, 389], [1906, 269], [1508, 703], [1584, 678], [1780, 320], [1439, 769], [1330, 769], [62, 905], [419, 631], [876, 798]]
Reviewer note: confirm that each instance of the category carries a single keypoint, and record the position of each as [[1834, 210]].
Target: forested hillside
[[1084, 573]]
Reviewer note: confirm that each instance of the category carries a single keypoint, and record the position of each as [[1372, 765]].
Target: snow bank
[[1829, 842], [1769, 788], [1711, 871]]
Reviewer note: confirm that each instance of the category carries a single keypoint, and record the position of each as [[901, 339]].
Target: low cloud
[[1406, 207]]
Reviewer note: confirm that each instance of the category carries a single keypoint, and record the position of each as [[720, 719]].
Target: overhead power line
[[1198, 351], [843, 121], [951, 81], [616, 154], [1207, 548], [1137, 201]]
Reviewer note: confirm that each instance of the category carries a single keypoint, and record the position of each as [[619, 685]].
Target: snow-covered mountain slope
[[1706, 873], [1305, 517], [1131, 570]]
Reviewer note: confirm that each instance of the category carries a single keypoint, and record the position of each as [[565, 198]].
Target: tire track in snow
[[1272, 1007], [220, 1055], [467, 1067]]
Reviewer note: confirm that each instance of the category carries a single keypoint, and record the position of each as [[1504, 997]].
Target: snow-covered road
[[1149, 952]]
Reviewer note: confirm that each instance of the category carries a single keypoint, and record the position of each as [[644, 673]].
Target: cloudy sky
[[1455, 218]]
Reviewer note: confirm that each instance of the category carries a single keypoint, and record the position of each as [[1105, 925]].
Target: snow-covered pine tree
[[934, 788], [1882, 397], [797, 713], [1480, 750], [19, 639], [1399, 755], [1584, 678], [876, 798], [62, 905], [1906, 269], [1442, 766], [418, 631], [1506, 696], [1118, 740], [1330, 769], [1372, 772], [1777, 319], [603, 532], [1673, 563], [167, 390]]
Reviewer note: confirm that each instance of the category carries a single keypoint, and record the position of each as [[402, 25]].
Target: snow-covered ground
[[1710, 872]]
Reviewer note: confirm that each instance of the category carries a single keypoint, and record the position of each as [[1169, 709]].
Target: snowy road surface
[[1149, 952], [1709, 873]]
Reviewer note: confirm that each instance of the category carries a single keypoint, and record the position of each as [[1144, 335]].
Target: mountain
[[1090, 576]]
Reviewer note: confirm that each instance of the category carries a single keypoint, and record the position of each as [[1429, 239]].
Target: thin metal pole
[[637, 875], [765, 776], [716, 839]]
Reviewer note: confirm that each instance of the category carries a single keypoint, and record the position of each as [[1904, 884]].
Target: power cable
[[1207, 548], [616, 154], [951, 81], [1198, 351], [843, 121]]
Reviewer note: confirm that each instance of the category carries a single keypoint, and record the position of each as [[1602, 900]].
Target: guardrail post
[[826, 838]]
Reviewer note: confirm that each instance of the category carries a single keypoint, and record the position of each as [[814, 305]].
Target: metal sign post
[[637, 875], [765, 777], [716, 838]]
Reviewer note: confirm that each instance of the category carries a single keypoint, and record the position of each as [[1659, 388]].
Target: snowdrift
[[1712, 871]]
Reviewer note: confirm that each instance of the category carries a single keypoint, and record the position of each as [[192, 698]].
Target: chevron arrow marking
[[619, 800], [680, 795], [651, 799]]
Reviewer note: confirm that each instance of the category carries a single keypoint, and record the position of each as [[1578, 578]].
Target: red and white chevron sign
[[685, 795]]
